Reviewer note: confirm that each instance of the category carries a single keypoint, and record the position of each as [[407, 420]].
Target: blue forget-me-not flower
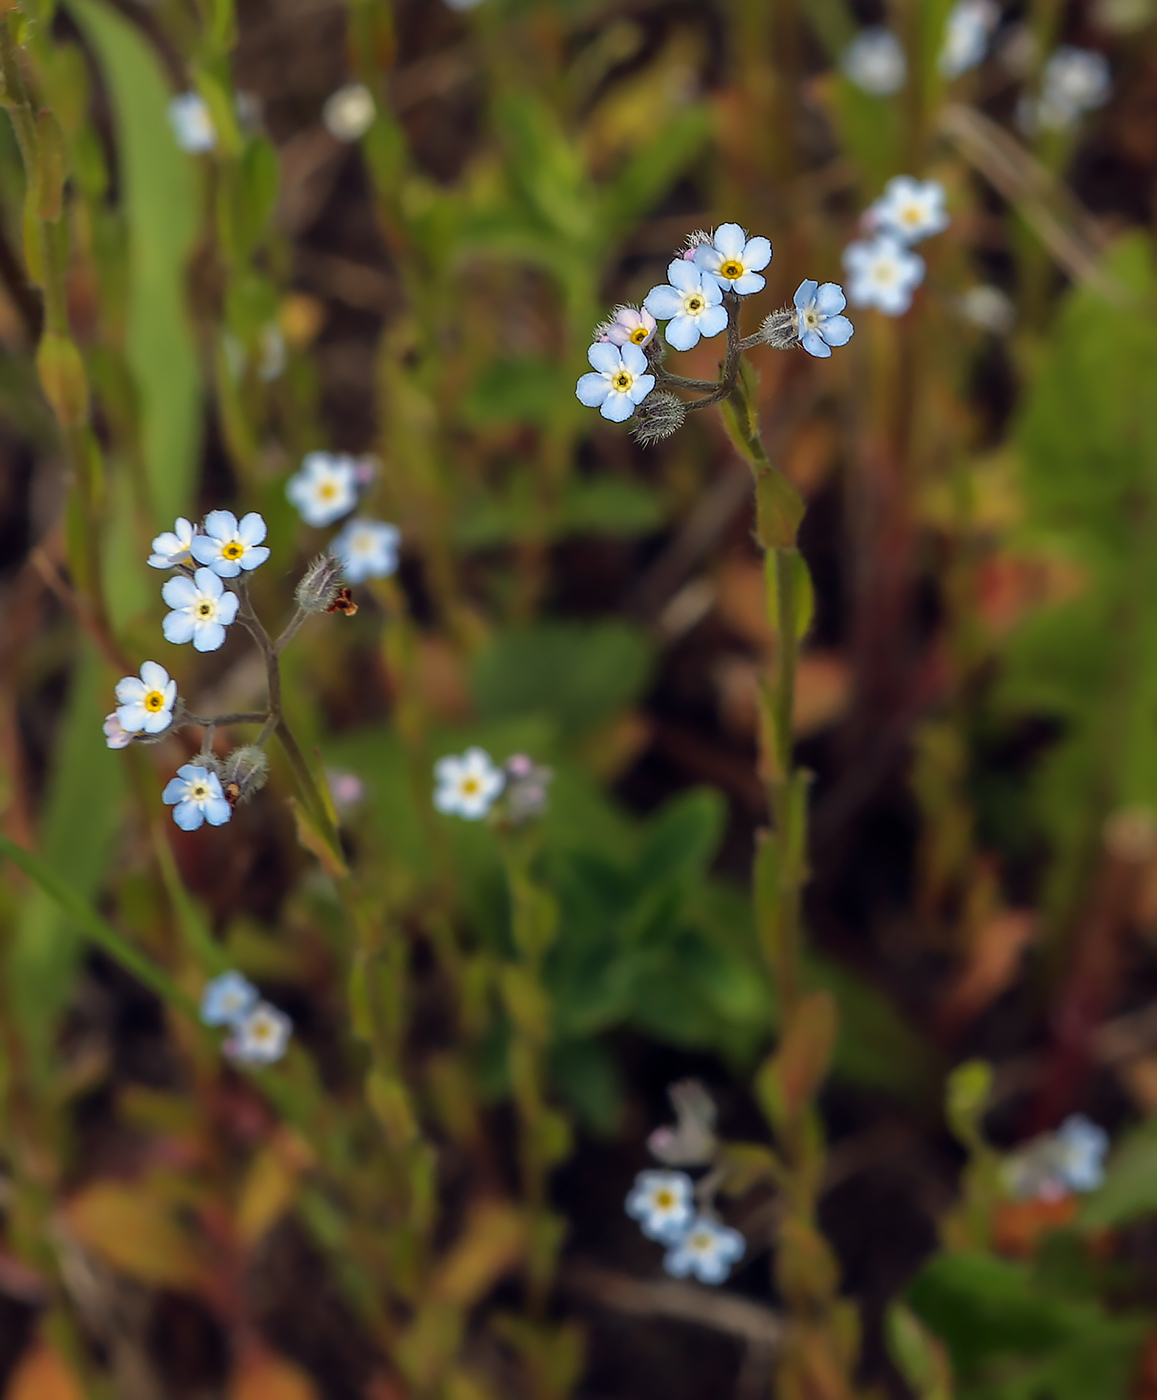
[[227, 545], [875, 62], [467, 786], [195, 796], [146, 703], [192, 123], [883, 272], [966, 35], [819, 323], [663, 1204], [326, 487], [734, 260], [690, 303], [226, 999], [173, 547], [202, 609], [367, 549], [909, 209], [707, 1250], [260, 1037], [620, 380]]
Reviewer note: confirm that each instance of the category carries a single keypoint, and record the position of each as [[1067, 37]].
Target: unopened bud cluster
[[320, 584]]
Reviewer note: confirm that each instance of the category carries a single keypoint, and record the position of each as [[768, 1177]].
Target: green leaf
[[1129, 1190]]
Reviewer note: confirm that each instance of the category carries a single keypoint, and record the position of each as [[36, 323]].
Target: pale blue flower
[[260, 1037], [883, 272], [966, 35], [820, 324], [621, 380], [707, 1250], [192, 123], [909, 209], [690, 303], [196, 797], [1081, 1148], [326, 487], [202, 609], [663, 1203], [367, 549], [1074, 81], [227, 545], [227, 999], [629, 325], [116, 736], [174, 546], [875, 62], [467, 786], [734, 260], [146, 704]]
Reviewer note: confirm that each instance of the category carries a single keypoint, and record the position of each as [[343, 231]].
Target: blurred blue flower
[[875, 62], [663, 1204], [909, 209], [820, 324], [226, 999], [707, 1250], [1081, 1147], [621, 380], [326, 487], [966, 35], [196, 797], [467, 786], [367, 549], [260, 1037], [882, 272], [192, 123]]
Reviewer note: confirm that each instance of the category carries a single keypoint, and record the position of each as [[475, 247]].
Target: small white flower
[[734, 260], [989, 308], [691, 303], [875, 62], [195, 796], [966, 35], [174, 546], [325, 488], [1074, 82], [663, 1204], [146, 705], [116, 736], [226, 999], [619, 383], [707, 1250], [467, 786], [629, 325], [192, 124], [884, 273], [349, 112], [228, 545], [910, 210], [202, 609], [261, 1037], [367, 549]]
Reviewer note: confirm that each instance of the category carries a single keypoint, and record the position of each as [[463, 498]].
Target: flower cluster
[[883, 270], [663, 1202], [259, 1032], [468, 786], [876, 63], [324, 490], [699, 301], [1057, 1164]]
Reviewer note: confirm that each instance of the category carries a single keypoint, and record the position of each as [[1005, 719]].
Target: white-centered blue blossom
[[202, 609], [367, 549], [708, 1250], [966, 35], [883, 272], [260, 1037], [173, 547], [192, 123], [326, 487], [116, 736], [349, 112], [146, 702], [1057, 1164], [691, 303], [909, 209], [226, 999], [229, 545], [1074, 81], [195, 796], [663, 1203], [734, 260], [820, 325], [619, 383], [875, 62], [630, 325], [467, 786]]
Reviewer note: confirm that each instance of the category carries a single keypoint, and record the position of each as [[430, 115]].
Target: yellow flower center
[[260, 1030], [623, 381], [911, 215], [154, 701], [731, 269], [233, 550], [693, 305], [702, 1243], [469, 786], [205, 608], [198, 791], [664, 1200], [638, 335], [327, 491]]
